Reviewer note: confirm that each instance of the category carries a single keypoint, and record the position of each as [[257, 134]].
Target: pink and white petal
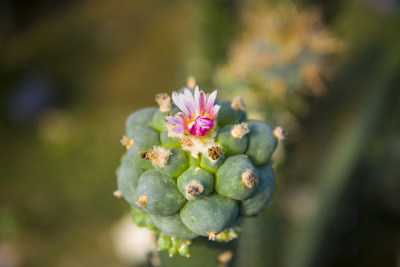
[[214, 112], [184, 108], [177, 100], [205, 122], [189, 101], [179, 129], [196, 97], [211, 100], [200, 131], [188, 93], [180, 114], [202, 100], [203, 126], [192, 130], [174, 120], [191, 127], [200, 126]]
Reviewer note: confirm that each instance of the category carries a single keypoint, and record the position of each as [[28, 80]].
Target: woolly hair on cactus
[[195, 167]]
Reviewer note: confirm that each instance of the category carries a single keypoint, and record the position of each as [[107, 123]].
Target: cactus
[[196, 172], [283, 54]]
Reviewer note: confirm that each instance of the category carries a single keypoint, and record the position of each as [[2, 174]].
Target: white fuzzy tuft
[[159, 155], [164, 101], [239, 130], [211, 236], [194, 144], [127, 142], [279, 133], [197, 145], [117, 194], [249, 178], [237, 103], [193, 189]]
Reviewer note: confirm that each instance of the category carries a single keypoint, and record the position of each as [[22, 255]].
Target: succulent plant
[[283, 54], [195, 168]]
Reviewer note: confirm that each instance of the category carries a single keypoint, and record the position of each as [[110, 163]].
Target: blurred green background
[[72, 71]]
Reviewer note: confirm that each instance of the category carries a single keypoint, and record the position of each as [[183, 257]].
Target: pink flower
[[198, 113]]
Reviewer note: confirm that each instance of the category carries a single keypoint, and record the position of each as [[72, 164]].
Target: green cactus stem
[[194, 178]]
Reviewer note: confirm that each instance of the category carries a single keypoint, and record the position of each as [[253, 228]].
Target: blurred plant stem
[[363, 114], [214, 23], [259, 241]]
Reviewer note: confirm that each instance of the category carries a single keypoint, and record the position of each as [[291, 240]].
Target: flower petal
[[196, 99], [179, 129], [188, 100], [200, 126], [210, 101], [205, 122], [198, 111], [202, 103], [174, 120], [180, 114], [177, 100], [214, 112]]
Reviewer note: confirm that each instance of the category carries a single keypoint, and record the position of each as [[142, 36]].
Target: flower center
[[200, 125]]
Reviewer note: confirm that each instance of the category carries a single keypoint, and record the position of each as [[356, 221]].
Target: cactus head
[[195, 168]]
